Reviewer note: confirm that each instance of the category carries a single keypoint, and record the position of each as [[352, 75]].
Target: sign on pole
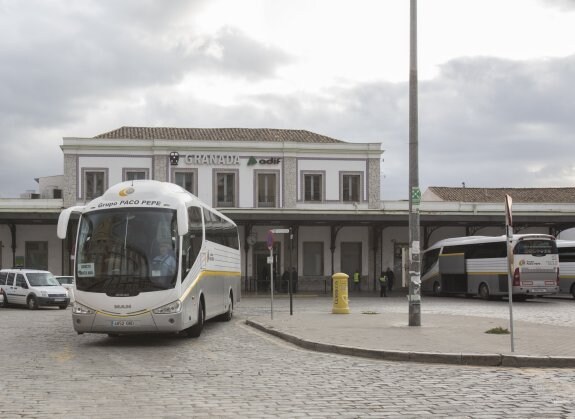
[[509, 230], [280, 230], [415, 196], [508, 212]]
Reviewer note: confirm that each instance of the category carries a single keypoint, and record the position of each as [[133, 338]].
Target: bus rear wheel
[[228, 315], [484, 291], [196, 330]]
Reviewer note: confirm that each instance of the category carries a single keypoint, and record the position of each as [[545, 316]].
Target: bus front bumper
[[114, 324]]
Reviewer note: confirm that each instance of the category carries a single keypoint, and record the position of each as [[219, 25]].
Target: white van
[[32, 288]]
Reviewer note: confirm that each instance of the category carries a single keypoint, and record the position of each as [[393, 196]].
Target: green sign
[[415, 196]]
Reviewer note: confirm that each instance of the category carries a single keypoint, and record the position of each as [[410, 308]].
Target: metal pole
[[414, 192], [290, 272], [272, 280], [510, 282]]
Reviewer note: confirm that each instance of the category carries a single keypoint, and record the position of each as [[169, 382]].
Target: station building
[[326, 192]]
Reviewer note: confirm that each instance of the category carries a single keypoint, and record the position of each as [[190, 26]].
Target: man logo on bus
[[174, 158], [126, 191]]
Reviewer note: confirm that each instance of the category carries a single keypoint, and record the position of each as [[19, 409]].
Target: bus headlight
[[80, 309], [173, 307]]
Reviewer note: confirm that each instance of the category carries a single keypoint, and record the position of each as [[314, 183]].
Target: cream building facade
[[324, 190]]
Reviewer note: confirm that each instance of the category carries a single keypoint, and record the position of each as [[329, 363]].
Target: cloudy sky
[[496, 80]]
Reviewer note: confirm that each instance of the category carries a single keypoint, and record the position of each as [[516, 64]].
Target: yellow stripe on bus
[[486, 273], [201, 275], [452, 254]]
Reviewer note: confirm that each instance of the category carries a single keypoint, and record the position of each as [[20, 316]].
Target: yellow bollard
[[340, 301]]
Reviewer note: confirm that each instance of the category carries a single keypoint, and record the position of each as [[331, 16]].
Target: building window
[[350, 187], [226, 189], [94, 183], [313, 258], [135, 174], [186, 179], [36, 255], [267, 190], [313, 187]]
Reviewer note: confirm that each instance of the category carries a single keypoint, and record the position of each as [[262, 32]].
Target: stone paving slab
[[440, 338]]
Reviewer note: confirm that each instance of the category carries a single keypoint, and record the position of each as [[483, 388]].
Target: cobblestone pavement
[[46, 370]]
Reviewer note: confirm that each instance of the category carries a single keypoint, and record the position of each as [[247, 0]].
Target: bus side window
[[429, 259], [566, 254]]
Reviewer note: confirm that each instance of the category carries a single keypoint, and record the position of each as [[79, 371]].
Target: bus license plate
[[123, 323]]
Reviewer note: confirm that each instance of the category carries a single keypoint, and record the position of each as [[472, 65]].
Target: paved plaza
[[234, 370]]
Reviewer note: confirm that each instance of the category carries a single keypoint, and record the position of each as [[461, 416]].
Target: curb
[[471, 359]]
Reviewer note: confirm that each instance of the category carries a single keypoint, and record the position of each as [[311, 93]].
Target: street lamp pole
[[414, 191]]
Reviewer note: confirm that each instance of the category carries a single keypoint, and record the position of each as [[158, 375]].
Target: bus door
[[452, 272]]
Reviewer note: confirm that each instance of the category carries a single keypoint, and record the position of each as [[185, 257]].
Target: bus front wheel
[[196, 330], [484, 291]]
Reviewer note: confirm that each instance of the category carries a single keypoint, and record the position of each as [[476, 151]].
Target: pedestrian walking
[[356, 281], [383, 280], [294, 280], [390, 278], [285, 281]]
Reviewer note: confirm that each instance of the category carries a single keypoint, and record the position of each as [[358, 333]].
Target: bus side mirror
[[63, 220], [182, 215]]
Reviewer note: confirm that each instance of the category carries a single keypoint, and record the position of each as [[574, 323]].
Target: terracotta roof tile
[[217, 134], [525, 195]]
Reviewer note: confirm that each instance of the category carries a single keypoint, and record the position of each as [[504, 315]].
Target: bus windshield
[[123, 252], [535, 247]]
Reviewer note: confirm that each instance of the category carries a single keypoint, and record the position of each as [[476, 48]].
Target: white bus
[[152, 258], [477, 265], [566, 250]]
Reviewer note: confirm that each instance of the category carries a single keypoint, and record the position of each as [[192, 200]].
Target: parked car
[[68, 283], [32, 288]]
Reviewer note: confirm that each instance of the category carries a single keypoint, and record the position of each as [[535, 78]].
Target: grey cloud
[[241, 56], [493, 122], [98, 53], [483, 121]]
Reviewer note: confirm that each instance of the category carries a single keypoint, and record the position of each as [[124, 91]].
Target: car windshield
[[42, 279], [126, 251]]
